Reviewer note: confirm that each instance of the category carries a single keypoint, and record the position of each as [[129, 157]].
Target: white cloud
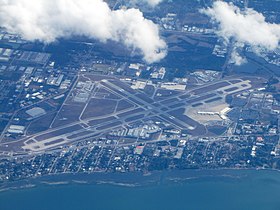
[[237, 59], [48, 20], [246, 26], [151, 3]]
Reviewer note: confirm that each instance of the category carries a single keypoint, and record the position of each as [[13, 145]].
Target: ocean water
[[257, 191]]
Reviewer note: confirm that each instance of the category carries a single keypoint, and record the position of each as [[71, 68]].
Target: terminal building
[[16, 129]]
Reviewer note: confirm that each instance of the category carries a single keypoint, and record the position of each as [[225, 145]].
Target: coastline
[[137, 179]]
